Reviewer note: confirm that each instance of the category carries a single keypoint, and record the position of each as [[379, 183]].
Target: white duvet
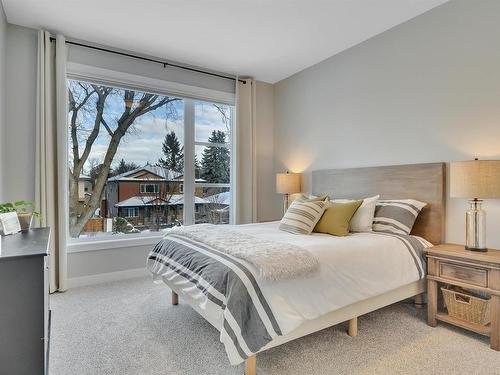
[[352, 269]]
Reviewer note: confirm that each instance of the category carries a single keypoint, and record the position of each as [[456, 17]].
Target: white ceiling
[[267, 39]]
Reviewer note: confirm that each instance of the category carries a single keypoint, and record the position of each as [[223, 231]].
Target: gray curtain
[[50, 150]]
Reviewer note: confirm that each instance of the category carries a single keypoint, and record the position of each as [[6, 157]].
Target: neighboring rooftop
[[146, 200], [223, 198], [142, 173]]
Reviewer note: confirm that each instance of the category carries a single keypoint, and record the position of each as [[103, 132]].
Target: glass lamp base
[[475, 227], [285, 203]]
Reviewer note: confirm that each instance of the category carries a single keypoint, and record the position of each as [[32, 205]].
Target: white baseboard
[[75, 282]]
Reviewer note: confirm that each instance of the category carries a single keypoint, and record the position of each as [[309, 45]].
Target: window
[[131, 155], [213, 136], [150, 188], [131, 211]]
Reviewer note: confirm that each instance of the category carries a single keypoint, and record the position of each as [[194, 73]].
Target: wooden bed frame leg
[[353, 327], [251, 365], [419, 301], [175, 298]]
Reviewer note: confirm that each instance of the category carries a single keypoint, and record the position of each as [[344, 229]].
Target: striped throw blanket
[[249, 323]]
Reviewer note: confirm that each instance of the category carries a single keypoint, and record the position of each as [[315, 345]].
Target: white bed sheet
[[352, 269]]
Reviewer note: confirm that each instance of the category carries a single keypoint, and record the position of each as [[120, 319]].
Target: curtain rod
[[164, 63]]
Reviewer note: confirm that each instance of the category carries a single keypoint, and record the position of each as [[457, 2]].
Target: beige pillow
[[336, 218], [301, 217]]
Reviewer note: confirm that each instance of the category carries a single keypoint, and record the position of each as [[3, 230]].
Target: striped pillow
[[301, 217], [396, 216], [303, 198]]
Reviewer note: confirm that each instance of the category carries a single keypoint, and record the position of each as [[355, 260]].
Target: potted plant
[[24, 213]]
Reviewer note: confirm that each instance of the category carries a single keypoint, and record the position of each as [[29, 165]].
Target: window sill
[[78, 246]]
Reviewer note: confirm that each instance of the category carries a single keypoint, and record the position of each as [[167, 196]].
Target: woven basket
[[467, 307]]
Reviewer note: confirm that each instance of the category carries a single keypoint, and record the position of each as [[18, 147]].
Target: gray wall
[[427, 90], [20, 101], [87, 263], [3, 42]]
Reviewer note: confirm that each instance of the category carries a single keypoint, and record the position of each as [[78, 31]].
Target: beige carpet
[[129, 327]]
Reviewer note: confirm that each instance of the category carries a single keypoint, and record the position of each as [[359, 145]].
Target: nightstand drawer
[[470, 275]]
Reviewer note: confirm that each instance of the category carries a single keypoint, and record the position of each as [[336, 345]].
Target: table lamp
[[287, 183], [476, 180]]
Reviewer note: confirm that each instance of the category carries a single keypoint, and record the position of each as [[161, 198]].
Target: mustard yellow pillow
[[336, 218]]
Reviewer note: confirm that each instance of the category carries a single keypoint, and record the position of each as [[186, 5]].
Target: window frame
[[136, 209], [91, 74], [146, 184]]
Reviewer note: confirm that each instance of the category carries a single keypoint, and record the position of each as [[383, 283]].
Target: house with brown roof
[[147, 196]]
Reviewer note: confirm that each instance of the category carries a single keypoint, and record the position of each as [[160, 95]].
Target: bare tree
[[87, 103], [157, 203], [225, 115], [216, 209]]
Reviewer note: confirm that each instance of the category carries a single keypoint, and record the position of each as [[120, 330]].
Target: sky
[[143, 142]]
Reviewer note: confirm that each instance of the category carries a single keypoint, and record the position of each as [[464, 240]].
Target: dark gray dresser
[[24, 303]]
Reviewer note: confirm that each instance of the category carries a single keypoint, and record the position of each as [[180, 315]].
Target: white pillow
[[362, 220]]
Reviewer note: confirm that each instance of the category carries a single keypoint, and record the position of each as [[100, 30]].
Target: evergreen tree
[[123, 167], [173, 153], [197, 167], [215, 163]]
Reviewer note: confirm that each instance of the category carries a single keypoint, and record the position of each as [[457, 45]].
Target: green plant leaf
[[23, 203], [7, 207]]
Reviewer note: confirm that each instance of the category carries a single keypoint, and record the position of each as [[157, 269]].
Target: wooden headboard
[[425, 182]]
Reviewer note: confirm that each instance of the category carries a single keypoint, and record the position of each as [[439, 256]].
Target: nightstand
[[453, 265]]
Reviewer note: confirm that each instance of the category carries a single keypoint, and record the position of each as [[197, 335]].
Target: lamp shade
[[287, 183], [475, 179]]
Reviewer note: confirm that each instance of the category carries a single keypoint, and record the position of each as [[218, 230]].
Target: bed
[[357, 274]]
